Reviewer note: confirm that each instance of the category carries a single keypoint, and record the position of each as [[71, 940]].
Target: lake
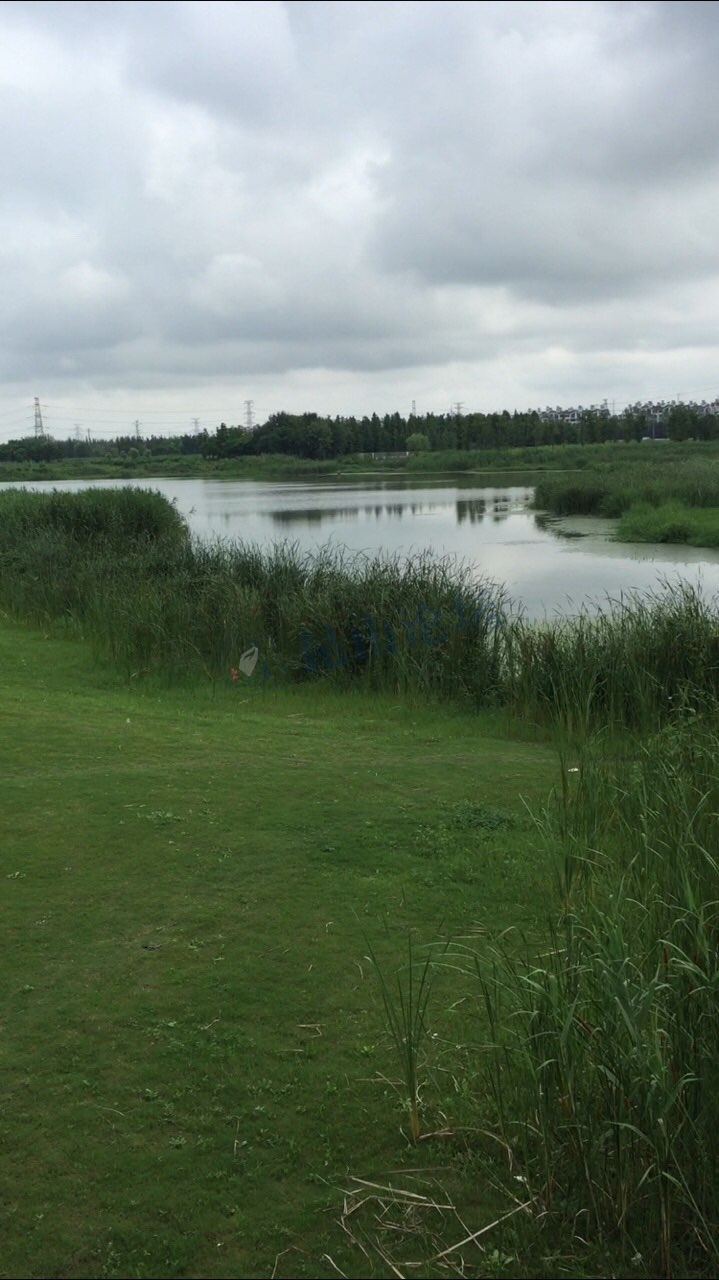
[[548, 566]]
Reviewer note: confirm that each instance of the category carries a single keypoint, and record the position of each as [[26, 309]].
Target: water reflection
[[313, 515], [557, 526], [329, 514], [472, 509], [547, 565]]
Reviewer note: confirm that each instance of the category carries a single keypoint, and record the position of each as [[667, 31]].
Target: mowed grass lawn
[[194, 1053]]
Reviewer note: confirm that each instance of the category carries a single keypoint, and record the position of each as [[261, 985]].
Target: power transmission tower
[[458, 407], [137, 428], [249, 419], [78, 433], [39, 429], [196, 426]]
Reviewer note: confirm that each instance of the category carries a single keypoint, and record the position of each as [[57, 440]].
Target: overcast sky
[[350, 206]]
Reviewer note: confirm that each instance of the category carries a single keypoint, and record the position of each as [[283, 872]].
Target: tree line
[[309, 435]]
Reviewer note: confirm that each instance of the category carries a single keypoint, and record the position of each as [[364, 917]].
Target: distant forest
[[308, 435]]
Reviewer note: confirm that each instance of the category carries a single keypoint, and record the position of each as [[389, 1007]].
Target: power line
[[86, 413], [68, 407]]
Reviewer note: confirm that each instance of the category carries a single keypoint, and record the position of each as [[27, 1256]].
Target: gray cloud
[[523, 195]]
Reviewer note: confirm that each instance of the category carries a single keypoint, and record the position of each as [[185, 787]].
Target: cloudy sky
[[350, 206]]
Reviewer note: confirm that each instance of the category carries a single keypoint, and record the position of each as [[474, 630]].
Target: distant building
[[655, 412]]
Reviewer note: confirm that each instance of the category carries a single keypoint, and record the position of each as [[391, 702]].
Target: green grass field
[[195, 1059], [402, 966]]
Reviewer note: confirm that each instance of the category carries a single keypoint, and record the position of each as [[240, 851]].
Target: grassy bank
[[175, 608], [440, 462], [566, 457], [166, 607], [670, 522], [195, 1061], [196, 1048], [611, 492], [656, 503], [407, 935], [124, 468]]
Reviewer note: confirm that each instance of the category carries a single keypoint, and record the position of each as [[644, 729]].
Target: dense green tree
[[309, 435]]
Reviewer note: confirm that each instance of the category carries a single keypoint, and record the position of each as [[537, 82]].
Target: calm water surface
[[548, 566]]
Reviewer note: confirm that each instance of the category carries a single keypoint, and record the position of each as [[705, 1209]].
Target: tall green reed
[[405, 1003], [612, 490], [628, 665], [121, 569], [601, 1054]]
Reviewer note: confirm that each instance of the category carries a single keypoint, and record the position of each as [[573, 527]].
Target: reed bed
[[155, 601], [120, 568], [111, 517], [600, 1061], [628, 665], [670, 522], [388, 622], [614, 490]]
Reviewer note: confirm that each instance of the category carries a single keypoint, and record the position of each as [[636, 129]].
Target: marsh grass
[[112, 518], [120, 568], [156, 602], [670, 522], [612, 491], [601, 1055], [630, 664], [62, 555]]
